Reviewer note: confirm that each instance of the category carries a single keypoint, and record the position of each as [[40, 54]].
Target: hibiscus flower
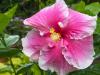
[[62, 39]]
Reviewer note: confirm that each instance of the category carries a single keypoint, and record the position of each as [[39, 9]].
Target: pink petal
[[80, 25], [32, 44], [52, 59], [49, 16], [80, 53]]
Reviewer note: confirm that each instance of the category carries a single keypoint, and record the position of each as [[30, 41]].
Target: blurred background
[[13, 12]]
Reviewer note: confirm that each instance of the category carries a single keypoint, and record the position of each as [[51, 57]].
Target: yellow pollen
[[54, 35], [52, 30]]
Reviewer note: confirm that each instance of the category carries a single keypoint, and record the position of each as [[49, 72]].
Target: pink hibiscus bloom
[[62, 39]]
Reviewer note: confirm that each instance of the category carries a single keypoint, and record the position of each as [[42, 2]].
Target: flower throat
[[54, 35]]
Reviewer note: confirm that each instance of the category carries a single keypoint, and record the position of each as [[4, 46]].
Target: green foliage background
[[13, 12]]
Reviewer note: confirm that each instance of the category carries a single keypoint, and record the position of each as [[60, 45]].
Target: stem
[[12, 66]]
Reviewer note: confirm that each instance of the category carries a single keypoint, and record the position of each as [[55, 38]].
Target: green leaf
[[98, 26], [10, 13], [11, 40], [97, 45], [94, 8], [92, 70], [24, 68], [5, 18], [36, 70], [6, 68], [8, 52], [79, 6]]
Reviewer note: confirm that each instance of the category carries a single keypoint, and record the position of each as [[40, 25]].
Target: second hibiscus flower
[[62, 40]]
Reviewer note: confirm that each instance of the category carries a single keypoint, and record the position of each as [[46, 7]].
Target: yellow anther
[[52, 30], [54, 35]]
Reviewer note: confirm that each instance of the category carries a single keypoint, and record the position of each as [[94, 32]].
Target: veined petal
[[49, 16], [80, 52], [80, 25], [53, 60], [32, 44]]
